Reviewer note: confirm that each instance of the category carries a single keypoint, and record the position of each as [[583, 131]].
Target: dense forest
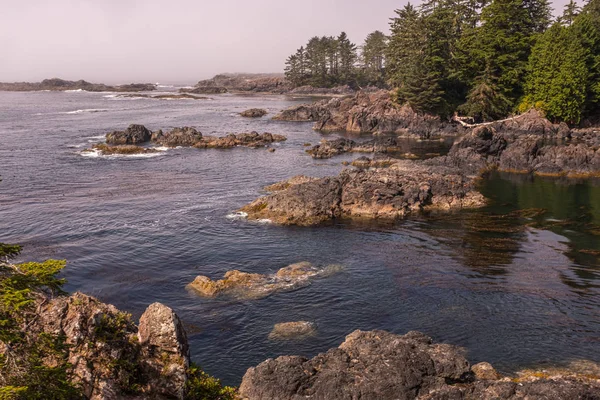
[[476, 58]]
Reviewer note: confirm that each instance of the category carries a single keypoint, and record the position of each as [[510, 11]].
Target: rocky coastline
[[56, 84], [528, 143]]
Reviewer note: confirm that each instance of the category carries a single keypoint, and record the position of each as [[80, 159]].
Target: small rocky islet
[[130, 140]]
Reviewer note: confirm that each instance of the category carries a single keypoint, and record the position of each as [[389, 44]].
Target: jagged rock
[[99, 335], [252, 139], [376, 162], [165, 350], [134, 134], [185, 137], [485, 371], [293, 330], [403, 188], [367, 113], [254, 113], [257, 286], [330, 148], [381, 365], [295, 180]]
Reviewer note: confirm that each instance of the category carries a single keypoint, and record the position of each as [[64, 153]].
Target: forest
[[485, 60]]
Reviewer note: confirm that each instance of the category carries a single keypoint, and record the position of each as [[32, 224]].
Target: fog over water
[[178, 41]]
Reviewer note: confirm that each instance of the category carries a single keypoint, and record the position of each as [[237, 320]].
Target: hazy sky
[[178, 41]]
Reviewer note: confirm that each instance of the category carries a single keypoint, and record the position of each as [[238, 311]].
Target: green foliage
[[32, 366], [201, 386], [558, 74], [373, 59], [485, 102]]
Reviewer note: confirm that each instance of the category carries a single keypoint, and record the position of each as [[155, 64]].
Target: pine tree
[[373, 58], [570, 12], [347, 59], [558, 75]]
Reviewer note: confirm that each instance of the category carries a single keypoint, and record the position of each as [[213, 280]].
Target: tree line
[[477, 58]]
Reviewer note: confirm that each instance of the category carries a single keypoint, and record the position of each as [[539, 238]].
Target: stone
[[134, 134], [254, 113], [252, 286], [184, 137], [293, 330], [485, 371]]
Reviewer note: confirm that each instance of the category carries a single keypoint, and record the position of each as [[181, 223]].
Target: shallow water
[[515, 288]]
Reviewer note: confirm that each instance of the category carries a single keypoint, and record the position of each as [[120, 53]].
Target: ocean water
[[516, 283]]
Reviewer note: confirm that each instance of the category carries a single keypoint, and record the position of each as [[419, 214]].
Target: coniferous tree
[[570, 12], [373, 58], [347, 59]]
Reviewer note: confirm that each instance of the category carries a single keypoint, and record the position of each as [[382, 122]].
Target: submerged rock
[[257, 286], [134, 134], [124, 149], [381, 365], [254, 113], [293, 330]]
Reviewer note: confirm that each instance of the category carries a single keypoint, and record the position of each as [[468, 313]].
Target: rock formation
[[111, 356], [56, 84], [257, 83], [293, 330], [403, 188], [368, 113], [246, 285], [134, 134], [123, 149], [381, 365], [254, 113]]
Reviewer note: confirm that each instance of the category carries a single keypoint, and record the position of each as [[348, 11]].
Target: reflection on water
[[516, 283]]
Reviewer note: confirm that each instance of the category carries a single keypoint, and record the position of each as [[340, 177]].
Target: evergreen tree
[[485, 102], [347, 59], [373, 58], [570, 12], [558, 75]]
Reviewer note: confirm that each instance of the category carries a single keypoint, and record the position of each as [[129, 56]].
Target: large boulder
[[185, 137], [254, 113], [134, 134], [384, 366]]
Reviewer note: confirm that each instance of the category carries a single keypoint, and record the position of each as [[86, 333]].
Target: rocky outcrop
[[123, 149], [368, 113], [293, 330], [56, 84], [531, 144], [251, 139], [246, 285], [313, 91], [254, 113], [403, 188], [257, 83], [110, 357], [185, 137], [134, 134], [330, 148], [381, 365]]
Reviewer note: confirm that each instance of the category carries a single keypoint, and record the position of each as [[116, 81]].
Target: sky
[[171, 41]]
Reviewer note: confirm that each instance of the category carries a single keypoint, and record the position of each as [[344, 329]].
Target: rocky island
[[56, 84]]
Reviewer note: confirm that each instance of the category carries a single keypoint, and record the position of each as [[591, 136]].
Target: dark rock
[[251, 139], [185, 137], [381, 365], [134, 134], [254, 113], [56, 84], [257, 83]]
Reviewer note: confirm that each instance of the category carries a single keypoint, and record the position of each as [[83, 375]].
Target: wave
[[237, 215], [87, 110], [75, 91], [95, 153]]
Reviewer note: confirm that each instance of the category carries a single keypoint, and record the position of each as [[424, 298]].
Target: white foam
[[75, 91], [237, 215], [264, 221], [95, 153], [86, 110]]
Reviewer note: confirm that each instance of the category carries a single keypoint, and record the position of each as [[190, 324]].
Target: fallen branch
[[461, 121]]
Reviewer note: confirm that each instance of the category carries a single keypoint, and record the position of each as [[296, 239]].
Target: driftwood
[[461, 120]]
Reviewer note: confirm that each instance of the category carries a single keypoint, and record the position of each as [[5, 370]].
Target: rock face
[[330, 148], [531, 144], [256, 286], [134, 134], [153, 366], [185, 137], [254, 113], [381, 365], [252, 139], [165, 350], [293, 330], [368, 113], [403, 188], [56, 84]]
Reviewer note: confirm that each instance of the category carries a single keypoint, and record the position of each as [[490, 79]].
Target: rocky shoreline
[[56, 84], [155, 362], [528, 143]]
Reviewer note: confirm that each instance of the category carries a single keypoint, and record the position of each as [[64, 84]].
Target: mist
[[177, 41]]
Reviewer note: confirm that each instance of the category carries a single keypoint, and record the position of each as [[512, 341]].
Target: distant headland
[[56, 84]]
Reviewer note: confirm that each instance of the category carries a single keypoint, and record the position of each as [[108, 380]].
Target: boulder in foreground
[[380, 365]]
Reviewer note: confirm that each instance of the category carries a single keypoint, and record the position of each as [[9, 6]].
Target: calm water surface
[[516, 283]]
